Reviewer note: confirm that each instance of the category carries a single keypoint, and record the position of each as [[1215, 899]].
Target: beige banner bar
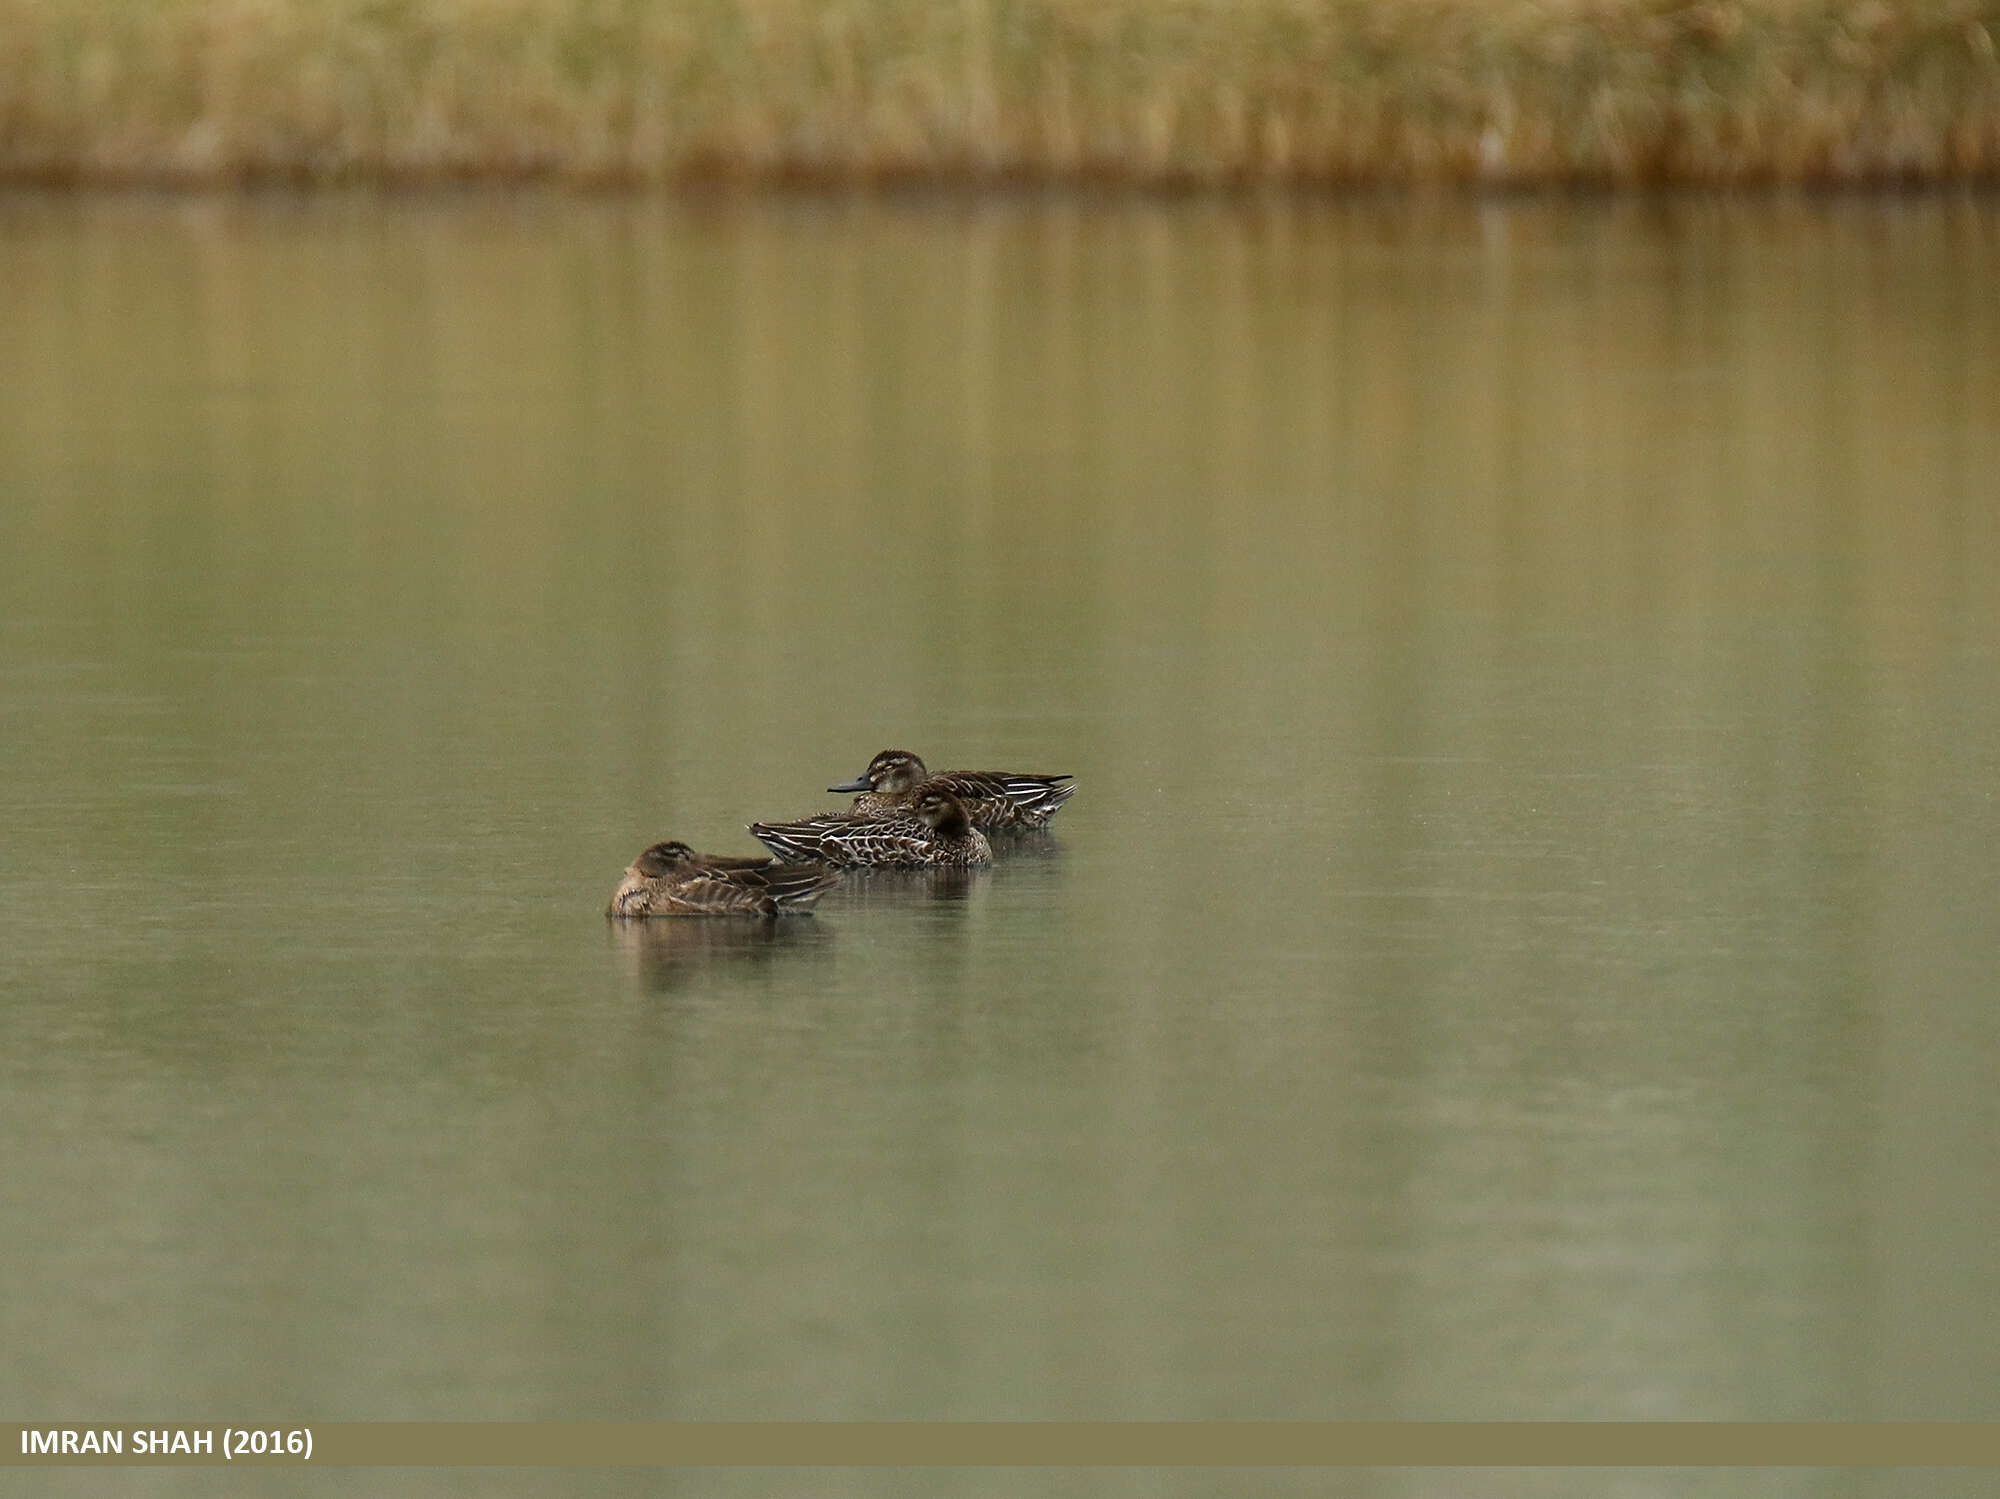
[[593, 1444]]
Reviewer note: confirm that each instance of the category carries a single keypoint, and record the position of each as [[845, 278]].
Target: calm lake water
[[1526, 944]]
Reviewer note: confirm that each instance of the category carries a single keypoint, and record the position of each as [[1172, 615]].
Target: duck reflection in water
[[952, 883], [675, 955]]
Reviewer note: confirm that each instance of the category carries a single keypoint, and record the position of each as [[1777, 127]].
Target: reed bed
[[1147, 92]]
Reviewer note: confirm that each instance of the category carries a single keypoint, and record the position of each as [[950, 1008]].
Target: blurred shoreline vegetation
[[1141, 92]]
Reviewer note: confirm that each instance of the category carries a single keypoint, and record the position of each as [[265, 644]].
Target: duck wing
[[791, 887], [843, 839], [1007, 798]]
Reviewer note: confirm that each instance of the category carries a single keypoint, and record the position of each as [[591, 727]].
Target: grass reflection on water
[[1527, 663]]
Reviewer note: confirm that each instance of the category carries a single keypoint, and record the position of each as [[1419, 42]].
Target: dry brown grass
[[1138, 91]]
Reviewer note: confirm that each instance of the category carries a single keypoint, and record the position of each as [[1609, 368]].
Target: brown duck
[[671, 879], [995, 800], [936, 831]]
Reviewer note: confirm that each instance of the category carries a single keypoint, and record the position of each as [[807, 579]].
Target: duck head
[[944, 814], [892, 770], [664, 859]]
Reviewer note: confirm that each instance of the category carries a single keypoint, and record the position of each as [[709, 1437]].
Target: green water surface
[[1526, 944]]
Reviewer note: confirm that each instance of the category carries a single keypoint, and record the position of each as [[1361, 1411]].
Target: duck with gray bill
[[997, 801]]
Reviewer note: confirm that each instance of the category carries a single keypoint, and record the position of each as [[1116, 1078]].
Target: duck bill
[[859, 783]]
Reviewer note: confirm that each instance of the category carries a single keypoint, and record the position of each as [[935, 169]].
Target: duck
[[936, 831], [996, 800], [671, 879]]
